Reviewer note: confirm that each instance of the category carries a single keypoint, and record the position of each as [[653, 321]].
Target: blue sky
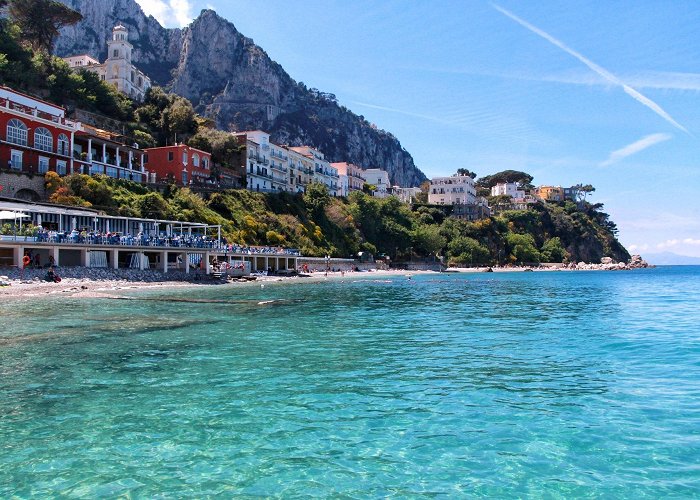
[[604, 93]]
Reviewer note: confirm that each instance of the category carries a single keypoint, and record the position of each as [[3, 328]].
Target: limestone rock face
[[233, 81]]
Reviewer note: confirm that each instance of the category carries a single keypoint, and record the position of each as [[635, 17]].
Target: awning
[[7, 214]]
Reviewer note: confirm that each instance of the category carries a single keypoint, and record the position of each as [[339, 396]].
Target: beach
[[82, 282]]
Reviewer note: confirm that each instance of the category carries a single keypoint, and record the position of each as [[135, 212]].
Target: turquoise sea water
[[514, 384]]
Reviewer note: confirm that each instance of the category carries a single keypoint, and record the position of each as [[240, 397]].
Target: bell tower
[[119, 47]]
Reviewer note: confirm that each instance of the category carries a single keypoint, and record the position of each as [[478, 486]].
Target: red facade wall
[[30, 156], [166, 169]]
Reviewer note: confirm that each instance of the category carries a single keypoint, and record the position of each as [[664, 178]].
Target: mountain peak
[[234, 82]]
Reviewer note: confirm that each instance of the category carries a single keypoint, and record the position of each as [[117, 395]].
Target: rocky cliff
[[233, 81]]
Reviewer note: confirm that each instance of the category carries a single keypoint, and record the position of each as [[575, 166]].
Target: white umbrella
[[8, 214]]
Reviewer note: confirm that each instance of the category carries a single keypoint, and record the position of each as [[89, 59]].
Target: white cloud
[[643, 247], [169, 13], [668, 244], [691, 241], [604, 73], [635, 147]]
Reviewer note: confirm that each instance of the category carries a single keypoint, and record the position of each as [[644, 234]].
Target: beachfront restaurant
[[73, 236]]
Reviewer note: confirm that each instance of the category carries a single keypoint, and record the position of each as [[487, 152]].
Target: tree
[[582, 192], [153, 205], [465, 171], [553, 251], [427, 240], [506, 176], [52, 181], [317, 197], [466, 250], [41, 20], [422, 197], [523, 249]]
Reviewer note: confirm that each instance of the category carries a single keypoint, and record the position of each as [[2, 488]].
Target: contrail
[[598, 69], [635, 147]]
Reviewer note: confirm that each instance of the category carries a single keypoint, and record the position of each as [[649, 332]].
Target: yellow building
[[550, 193]]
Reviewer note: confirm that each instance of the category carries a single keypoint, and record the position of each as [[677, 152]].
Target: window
[[195, 160], [63, 144], [170, 156], [16, 159], [102, 77], [132, 77], [61, 167], [184, 177], [43, 139], [43, 164], [115, 53], [16, 132], [140, 81], [184, 157], [205, 163]]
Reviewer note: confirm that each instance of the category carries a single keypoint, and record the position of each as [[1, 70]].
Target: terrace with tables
[[70, 236]]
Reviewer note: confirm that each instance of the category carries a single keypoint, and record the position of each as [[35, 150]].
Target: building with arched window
[[35, 135], [117, 68]]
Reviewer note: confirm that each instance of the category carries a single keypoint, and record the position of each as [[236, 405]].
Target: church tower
[[119, 47]]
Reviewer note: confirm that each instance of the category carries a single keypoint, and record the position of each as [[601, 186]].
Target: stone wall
[[24, 186]]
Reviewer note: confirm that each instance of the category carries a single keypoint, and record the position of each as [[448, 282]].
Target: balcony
[[25, 110]]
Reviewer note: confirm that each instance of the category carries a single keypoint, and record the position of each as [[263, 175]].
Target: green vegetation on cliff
[[319, 224]]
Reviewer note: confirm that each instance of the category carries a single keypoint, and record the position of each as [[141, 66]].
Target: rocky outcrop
[[233, 81]]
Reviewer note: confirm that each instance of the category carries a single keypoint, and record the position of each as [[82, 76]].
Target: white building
[[301, 171], [454, 190], [404, 194], [259, 176], [512, 189], [380, 179], [323, 172], [117, 68]]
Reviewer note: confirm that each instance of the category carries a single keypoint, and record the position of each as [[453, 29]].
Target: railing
[[177, 241], [6, 103]]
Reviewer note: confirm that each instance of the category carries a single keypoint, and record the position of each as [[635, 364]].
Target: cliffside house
[[380, 179], [453, 190], [117, 68], [350, 178], [179, 163], [405, 194], [323, 171], [35, 137]]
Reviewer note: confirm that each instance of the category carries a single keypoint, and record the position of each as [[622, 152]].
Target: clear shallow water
[[518, 384]]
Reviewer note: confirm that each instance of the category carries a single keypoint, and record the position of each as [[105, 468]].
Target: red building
[[179, 163], [35, 135]]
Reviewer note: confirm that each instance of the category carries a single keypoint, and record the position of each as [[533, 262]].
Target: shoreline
[[87, 287]]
